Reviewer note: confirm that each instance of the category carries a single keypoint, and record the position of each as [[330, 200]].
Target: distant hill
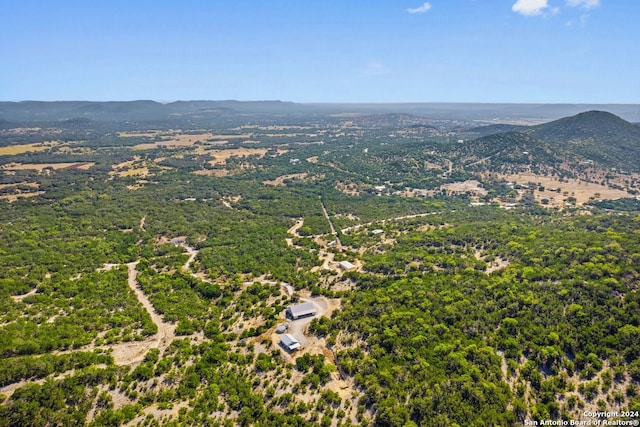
[[481, 131], [506, 148], [392, 120], [597, 125], [602, 137], [596, 135], [145, 110], [30, 111]]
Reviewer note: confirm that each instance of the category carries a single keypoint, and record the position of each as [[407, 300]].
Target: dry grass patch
[[232, 136], [280, 181], [213, 172], [221, 156], [19, 193], [126, 165], [13, 197], [141, 171], [350, 188], [64, 149], [20, 184], [81, 165], [140, 183], [148, 134], [472, 186], [133, 167], [12, 150], [582, 191], [179, 139], [42, 166]]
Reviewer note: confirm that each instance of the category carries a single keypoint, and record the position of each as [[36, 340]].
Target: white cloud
[[531, 7], [376, 68], [583, 20], [585, 4], [421, 9]]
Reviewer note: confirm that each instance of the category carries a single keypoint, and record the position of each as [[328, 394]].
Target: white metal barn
[[289, 342], [298, 311]]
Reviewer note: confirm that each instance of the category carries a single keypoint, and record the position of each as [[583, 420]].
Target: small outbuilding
[[298, 311], [281, 329], [346, 265], [289, 342]]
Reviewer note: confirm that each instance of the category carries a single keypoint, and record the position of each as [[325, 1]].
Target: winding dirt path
[[11, 388], [8, 390], [192, 256], [333, 229], [125, 353], [23, 296], [134, 352], [293, 231]]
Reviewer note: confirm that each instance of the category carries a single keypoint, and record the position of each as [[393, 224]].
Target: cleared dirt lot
[[472, 186], [280, 181]]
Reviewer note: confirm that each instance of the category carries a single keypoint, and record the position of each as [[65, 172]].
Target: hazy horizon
[[286, 101]]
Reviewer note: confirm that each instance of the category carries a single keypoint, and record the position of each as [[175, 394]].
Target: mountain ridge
[[592, 136], [153, 110]]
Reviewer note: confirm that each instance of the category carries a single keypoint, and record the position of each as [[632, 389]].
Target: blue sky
[[567, 51]]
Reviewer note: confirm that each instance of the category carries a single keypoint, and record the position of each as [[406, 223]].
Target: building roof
[[281, 328], [346, 265], [290, 341], [304, 309]]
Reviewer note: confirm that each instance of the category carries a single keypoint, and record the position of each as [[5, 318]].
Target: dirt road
[[166, 330]]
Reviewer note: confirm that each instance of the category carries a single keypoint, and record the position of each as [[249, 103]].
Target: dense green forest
[[143, 285]]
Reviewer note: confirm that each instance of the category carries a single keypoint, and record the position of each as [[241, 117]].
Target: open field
[[13, 197], [142, 171], [280, 181], [275, 127], [221, 156], [136, 167], [42, 166], [130, 168], [182, 140], [213, 172], [12, 150], [25, 184], [581, 190], [21, 193], [472, 186]]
